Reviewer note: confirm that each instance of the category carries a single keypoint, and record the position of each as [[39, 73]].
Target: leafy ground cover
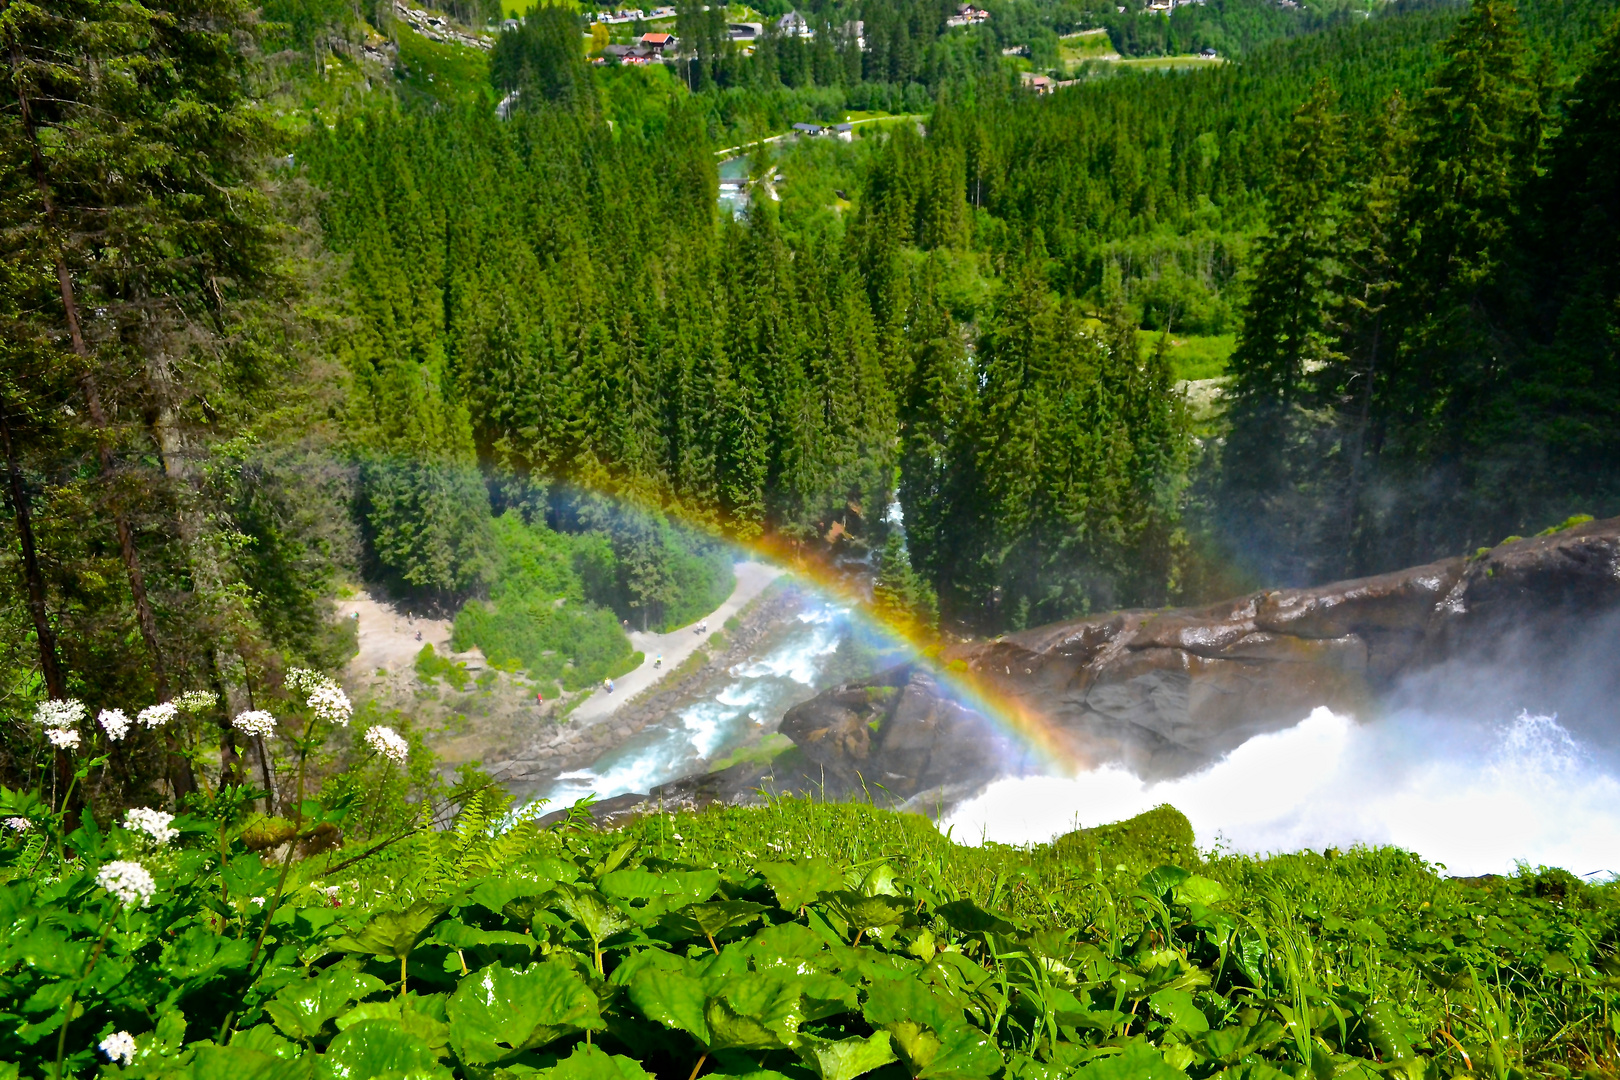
[[792, 941]]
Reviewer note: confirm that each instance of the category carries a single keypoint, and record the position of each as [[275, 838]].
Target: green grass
[[446, 73], [1193, 356], [1166, 63], [1094, 45], [517, 8]]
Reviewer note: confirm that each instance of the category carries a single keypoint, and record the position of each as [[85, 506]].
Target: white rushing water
[[761, 691], [1475, 798]]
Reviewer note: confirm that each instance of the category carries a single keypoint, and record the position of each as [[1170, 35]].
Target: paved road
[[677, 645]]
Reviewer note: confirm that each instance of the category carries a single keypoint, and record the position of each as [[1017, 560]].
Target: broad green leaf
[[708, 920], [967, 1052], [650, 958], [879, 881], [1230, 1044], [494, 894], [673, 998], [600, 919], [790, 945], [1252, 1070], [593, 1063], [210, 1062], [867, 913], [1388, 1032], [393, 934], [1163, 879], [507, 946], [754, 1012], [847, 1058], [894, 1000], [1178, 1007], [970, 918], [797, 884], [303, 1009], [422, 1017], [962, 1051], [661, 892], [263, 1038], [1139, 1061], [379, 1050], [1200, 890], [498, 1012], [824, 995]]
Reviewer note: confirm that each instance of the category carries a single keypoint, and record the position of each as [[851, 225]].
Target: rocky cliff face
[[1166, 692], [1533, 623]]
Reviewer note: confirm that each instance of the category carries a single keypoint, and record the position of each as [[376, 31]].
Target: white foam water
[[703, 731], [1473, 798]]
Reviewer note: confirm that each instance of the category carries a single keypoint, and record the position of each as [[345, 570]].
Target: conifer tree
[[1287, 332], [1477, 142], [543, 60], [932, 410]]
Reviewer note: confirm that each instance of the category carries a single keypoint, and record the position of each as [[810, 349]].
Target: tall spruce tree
[[1266, 498], [1567, 386], [1477, 142]]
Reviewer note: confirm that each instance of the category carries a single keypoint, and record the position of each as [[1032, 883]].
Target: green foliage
[[543, 61], [431, 666], [1435, 413], [899, 594], [548, 610], [873, 944]]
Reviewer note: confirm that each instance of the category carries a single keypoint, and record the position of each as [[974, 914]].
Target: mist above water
[[1475, 798]]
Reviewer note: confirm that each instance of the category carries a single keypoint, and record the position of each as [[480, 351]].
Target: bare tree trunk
[[49, 665]]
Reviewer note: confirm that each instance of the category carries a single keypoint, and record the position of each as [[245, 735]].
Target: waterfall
[[1474, 798]]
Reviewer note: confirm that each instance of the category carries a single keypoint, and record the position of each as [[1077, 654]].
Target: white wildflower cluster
[[60, 719], [129, 881], [255, 722], [301, 680], [59, 713], [154, 823], [196, 701], [324, 697], [388, 743], [63, 738], [114, 723], [19, 824], [155, 716], [331, 704], [119, 1047]]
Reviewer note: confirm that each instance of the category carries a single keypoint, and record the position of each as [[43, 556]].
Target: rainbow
[[1050, 744], [1052, 747]]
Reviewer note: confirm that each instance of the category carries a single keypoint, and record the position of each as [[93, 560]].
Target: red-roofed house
[[658, 42]]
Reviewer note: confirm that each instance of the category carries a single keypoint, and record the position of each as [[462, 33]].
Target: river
[[794, 663]]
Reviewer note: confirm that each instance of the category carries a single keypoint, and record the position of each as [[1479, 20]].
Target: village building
[[793, 25]]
